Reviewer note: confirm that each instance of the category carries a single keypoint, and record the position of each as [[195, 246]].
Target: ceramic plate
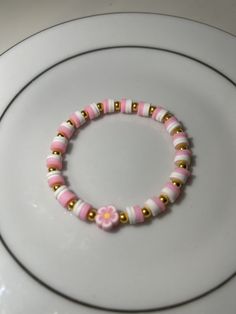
[[188, 68]]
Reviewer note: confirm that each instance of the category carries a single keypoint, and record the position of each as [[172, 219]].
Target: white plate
[[187, 67]]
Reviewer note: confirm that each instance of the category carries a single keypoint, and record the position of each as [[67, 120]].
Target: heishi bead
[[179, 138], [81, 209], [143, 109], [159, 113], [64, 195], [172, 124], [59, 144], [54, 161], [77, 118], [180, 174], [55, 178], [92, 111], [155, 205], [126, 105], [66, 129], [182, 155], [171, 191], [135, 214], [108, 105]]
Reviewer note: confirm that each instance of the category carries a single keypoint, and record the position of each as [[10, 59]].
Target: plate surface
[[120, 159]]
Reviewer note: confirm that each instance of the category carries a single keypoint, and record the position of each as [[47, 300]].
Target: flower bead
[[107, 217]]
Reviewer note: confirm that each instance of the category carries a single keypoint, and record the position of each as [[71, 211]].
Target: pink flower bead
[[126, 105], [143, 109], [55, 178], [66, 129], [180, 174], [172, 124], [59, 144], [108, 105], [180, 138], [92, 111], [182, 155], [135, 214], [171, 191], [107, 217], [64, 195], [77, 118], [54, 161], [159, 113], [155, 205], [81, 209]]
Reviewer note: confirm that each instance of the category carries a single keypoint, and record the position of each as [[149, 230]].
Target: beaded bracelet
[[107, 217]]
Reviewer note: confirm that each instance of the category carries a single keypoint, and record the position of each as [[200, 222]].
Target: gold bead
[[91, 214], [182, 146], [56, 187], [60, 134], [166, 117], [70, 122], [123, 217], [146, 212], [134, 106], [151, 110], [100, 106], [177, 130], [85, 114], [117, 105], [164, 199], [176, 182], [71, 204], [51, 169], [183, 165], [56, 153]]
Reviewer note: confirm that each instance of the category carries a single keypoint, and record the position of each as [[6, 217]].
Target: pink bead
[[138, 214], [105, 106], [66, 129], [159, 113], [143, 109], [159, 203], [59, 144], [54, 161], [171, 191], [92, 111], [126, 105], [179, 138], [84, 211], [77, 118], [56, 179], [65, 197]]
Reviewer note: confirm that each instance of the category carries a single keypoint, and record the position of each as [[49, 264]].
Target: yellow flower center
[[107, 215]]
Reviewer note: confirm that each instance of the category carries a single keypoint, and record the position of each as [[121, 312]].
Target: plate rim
[[116, 13]]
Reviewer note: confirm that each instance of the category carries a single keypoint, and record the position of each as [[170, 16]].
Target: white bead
[[152, 206], [161, 114], [180, 176], [80, 117], [53, 173], [128, 107], [180, 140], [60, 190], [111, 105], [77, 207], [55, 156], [146, 108], [131, 214], [61, 139], [172, 126], [95, 109], [183, 157]]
